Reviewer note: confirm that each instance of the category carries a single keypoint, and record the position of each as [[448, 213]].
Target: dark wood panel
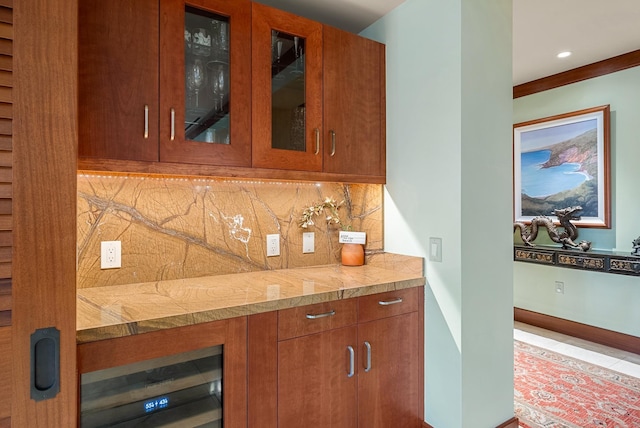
[[232, 333], [6, 78], [118, 76], [511, 423], [314, 387], [263, 154], [5, 208], [600, 68], [6, 175], [5, 423], [5, 372], [6, 190], [172, 93], [45, 198], [583, 331], [6, 62], [6, 95], [6, 109], [6, 127], [6, 238], [6, 3], [6, 15], [6, 47], [6, 270], [262, 369], [353, 109], [293, 322], [5, 256], [5, 318], [370, 308], [6, 158], [6, 143], [162, 168], [5, 295], [6, 31], [390, 393]]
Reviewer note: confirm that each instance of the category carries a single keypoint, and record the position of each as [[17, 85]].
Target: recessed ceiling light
[[564, 54]]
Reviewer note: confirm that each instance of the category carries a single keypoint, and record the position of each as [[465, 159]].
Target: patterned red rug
[[555, 391]]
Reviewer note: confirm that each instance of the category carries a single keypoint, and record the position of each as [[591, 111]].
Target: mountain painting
[[559, 167], [561, 162]]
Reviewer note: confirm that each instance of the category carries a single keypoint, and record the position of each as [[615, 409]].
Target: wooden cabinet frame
[[231, 333]]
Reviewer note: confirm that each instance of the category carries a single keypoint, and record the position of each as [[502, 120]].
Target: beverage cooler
[[183, 390]]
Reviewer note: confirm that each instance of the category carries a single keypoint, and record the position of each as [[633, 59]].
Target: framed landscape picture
[[563, 161]]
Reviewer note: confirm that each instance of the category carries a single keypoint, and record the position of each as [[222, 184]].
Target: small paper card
[[353, 237]]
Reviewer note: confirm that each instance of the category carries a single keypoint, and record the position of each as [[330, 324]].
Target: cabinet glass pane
[[183, 390], [206, 59], [287, 92]]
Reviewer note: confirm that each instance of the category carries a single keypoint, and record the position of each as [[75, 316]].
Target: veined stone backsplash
[[188, 227]]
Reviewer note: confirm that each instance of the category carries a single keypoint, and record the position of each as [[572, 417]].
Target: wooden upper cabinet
[[205, 82], [354, 104], [287, 91], [165, 81], [118, 79]]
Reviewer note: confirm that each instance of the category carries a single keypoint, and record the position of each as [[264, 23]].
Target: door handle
[[367, 367], [352, 361]]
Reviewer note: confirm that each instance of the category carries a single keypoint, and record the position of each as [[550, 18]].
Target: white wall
[[449, 175], [604, 300]]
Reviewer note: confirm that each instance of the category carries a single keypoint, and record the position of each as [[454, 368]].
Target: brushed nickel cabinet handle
[[390, 302], [173, 124], [146, 121], [317, 141], [367, 368], [333, 142], [352, 361], [316, 316]]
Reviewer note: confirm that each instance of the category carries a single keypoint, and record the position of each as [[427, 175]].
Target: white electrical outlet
[[559, 287], [273, 245], [110, 255], [308, 242]]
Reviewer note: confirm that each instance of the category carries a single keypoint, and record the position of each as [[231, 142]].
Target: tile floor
[[611, 358]]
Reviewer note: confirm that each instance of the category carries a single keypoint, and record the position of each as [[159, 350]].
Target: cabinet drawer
[[311, 319], [388, 304]]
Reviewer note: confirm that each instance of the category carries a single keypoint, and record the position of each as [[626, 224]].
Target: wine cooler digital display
[[183, 390], [156, 404]]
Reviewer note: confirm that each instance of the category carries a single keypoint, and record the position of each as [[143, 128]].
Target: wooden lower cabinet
[[359, 364], [137, 350]]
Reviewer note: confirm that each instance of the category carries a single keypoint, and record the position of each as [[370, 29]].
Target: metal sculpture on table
[[566, 237], [636, 247]]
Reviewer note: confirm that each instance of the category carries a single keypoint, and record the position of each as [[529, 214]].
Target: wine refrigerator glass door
[[204, 115]]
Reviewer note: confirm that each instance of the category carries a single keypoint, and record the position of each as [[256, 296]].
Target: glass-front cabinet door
[[287, 91], [205, 82]]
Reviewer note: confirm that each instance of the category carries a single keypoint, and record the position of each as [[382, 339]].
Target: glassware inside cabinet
[[207, 95], [288, 91]]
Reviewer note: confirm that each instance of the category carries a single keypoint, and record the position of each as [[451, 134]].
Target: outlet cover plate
[[308, 242], [110, 254], [273, 245]]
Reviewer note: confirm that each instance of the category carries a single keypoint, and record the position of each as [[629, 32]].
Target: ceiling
[[592, 29]]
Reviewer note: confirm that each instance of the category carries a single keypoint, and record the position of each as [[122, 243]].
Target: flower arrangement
[[330, 207]]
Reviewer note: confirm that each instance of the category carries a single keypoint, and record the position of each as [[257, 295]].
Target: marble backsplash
[[173, 228]]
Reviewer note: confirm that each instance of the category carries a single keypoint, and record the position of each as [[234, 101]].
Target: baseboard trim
[[511, 423], [599, 335]]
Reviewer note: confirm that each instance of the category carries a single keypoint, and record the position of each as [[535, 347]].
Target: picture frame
[[563, 161]]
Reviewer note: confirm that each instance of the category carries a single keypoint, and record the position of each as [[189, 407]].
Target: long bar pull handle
[[390, 302], [316, 316], [367, 368], [173, 124], [146, 121], [333, 142], [317, 141], [352, 361]]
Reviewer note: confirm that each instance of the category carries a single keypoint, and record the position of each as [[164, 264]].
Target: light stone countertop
[[123, 310]]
